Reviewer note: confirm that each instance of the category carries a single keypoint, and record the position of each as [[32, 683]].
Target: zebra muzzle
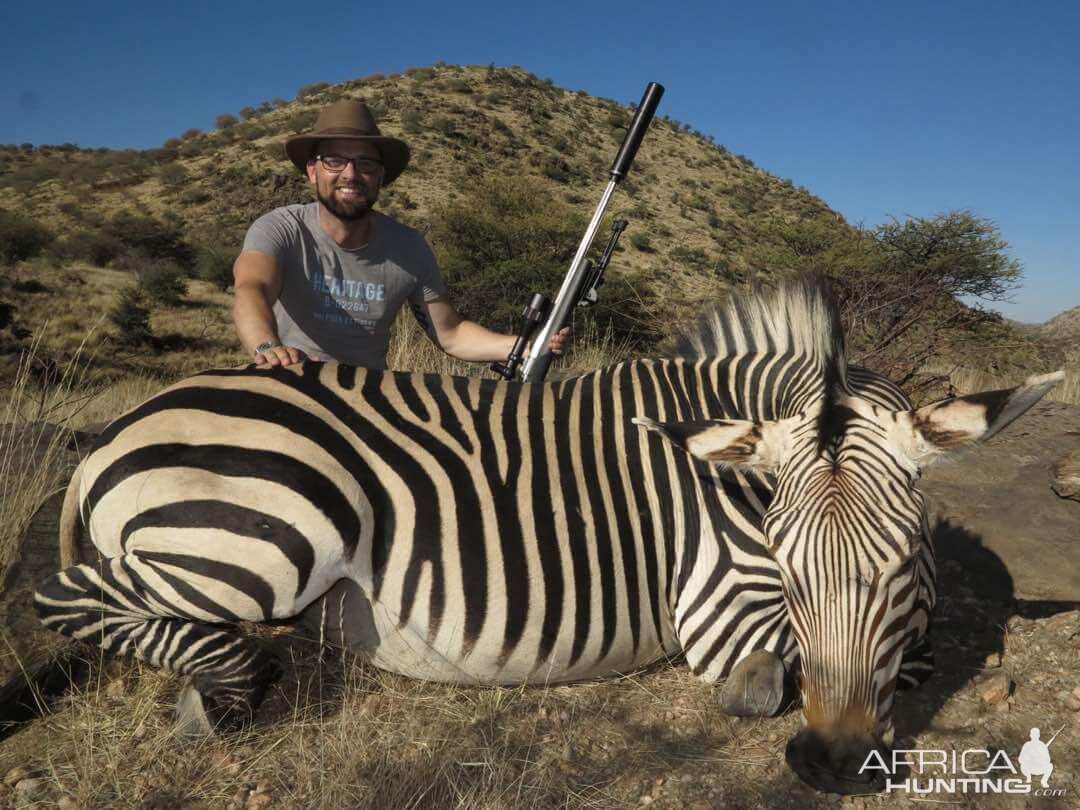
[[836, 764]]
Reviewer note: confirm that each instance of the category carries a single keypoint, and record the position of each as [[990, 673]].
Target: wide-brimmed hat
[[349, 121]]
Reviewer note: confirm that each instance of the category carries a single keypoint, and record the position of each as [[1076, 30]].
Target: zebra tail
[[71, 521], [28, 694]]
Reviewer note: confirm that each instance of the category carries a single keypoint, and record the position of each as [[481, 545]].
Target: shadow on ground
[[976, 598]]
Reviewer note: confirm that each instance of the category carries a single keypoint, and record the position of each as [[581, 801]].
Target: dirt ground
[[1007, 637]]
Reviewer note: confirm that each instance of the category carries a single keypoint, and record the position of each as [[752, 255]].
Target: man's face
[[348, 194]]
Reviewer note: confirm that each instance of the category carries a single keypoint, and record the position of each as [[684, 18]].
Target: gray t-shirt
[[336, 303]]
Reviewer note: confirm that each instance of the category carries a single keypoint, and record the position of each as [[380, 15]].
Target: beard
[[347, 211]]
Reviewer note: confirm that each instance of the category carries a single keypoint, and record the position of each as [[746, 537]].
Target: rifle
[[1056, 733], [583, 277]]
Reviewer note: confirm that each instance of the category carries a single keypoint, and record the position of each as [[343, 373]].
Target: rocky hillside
[[693, 206]]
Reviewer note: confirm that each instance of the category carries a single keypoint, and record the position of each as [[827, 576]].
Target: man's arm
[[468, 340], [257, 285]]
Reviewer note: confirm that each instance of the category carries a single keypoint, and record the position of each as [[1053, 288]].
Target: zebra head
[[846, 528]]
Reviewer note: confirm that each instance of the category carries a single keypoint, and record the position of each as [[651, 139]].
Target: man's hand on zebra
[[281, 356]]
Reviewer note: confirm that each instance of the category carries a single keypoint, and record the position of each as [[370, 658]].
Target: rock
[[16, 775], [1065, 475], [994, 688], [31, 789], [993, 660], [1072, 703], [258, 800]]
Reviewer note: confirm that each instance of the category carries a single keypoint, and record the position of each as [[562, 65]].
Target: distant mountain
[[1064, 326]]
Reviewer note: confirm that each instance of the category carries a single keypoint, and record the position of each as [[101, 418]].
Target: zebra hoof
[[755, 687], [192, 719]]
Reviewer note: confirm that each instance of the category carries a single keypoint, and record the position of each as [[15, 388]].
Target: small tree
[[309, 90], [163, 282], [173, 175], [412, 121], [247, 113], [131, 316], [21, 238], [215, 266], [225, 120]]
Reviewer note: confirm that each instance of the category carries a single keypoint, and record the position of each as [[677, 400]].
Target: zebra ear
[[934, 429], [760, 445]]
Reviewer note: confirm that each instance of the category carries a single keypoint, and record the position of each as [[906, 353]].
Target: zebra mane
[[799, 317]]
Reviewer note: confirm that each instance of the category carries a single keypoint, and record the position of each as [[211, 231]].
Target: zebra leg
[[110, 606], [755, 687], [916, 664]]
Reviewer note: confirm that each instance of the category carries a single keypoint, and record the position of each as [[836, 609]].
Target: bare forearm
[[474, 343], [253, 317]]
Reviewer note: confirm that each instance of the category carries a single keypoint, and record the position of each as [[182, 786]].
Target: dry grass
[[38, 405], [337, 733], [967, 381]]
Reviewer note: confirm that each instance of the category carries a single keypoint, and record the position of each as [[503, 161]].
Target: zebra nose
[[835, 764]]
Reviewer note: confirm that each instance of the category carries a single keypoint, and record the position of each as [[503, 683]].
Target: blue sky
[[881, 109]]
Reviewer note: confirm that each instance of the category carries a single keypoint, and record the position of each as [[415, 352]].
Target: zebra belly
[[372, 630]]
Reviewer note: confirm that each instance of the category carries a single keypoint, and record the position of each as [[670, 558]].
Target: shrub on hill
[[173, 175], [150, 237], [215, 266], [131, 317], [225, 120], [504, 239], [91, 246], [309, 90], [21, 238], [163, 281], [300, 121]]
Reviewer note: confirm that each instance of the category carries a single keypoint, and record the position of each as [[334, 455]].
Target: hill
[[702, 219], [693, 207]]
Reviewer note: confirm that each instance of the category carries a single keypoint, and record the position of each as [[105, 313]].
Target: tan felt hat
[[353, 121]]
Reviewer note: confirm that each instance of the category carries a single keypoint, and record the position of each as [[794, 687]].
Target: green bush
[[503, 239], [300, 121], [215, 266], [90, 246], [456, 86], [642, 242], [163, 282], [309, 90], [412, 121], [151, 237], [21, 237], [194, 196], [131, 316], [444, 125], [173, 176]]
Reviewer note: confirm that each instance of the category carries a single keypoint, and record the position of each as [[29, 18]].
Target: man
[[326, 280]]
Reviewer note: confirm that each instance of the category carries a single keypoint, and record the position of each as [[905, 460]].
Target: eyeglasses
[[337, 163]]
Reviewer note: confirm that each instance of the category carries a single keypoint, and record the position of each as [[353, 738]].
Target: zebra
[[748, 504]]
